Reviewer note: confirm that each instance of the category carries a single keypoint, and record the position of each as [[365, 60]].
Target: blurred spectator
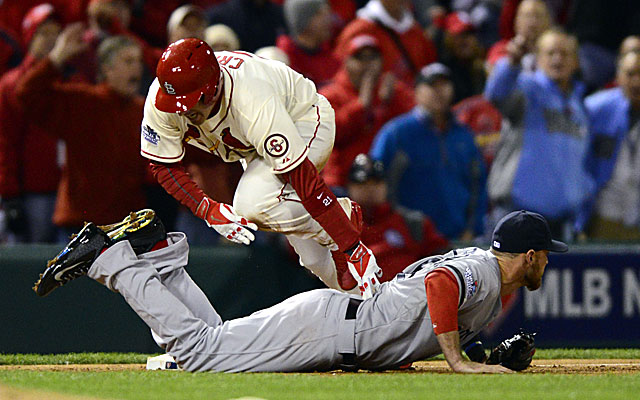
[[629, 44], [307, 45], [615, 162], [405, 48], [104, 173], [10, 51], [364, 98], [29, 171], [460, 50], [108, 18], [149, 17], [344, 10], [558, 11], [483, 14], [221, 38], [600, 26], [540, 164], [186, 21], [398, 237], [531, 20], [257, 22], [432, 162], [485, 122], [273, 53]]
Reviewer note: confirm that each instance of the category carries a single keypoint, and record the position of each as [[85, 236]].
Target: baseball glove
[[514, 353]]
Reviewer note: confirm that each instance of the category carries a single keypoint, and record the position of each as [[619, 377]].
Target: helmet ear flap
[[210, 91]]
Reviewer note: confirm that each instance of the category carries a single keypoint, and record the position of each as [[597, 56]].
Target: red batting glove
[[223, 218], [365, 270]]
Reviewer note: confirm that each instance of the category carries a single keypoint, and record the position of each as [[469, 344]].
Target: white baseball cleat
[[164, 361]]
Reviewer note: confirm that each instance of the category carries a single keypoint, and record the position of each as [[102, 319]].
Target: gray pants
[[305, 332]]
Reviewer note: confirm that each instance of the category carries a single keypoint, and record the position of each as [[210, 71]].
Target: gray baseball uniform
[[313, 331]]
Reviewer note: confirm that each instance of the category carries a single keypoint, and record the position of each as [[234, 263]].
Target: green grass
[[136, 358], [142, 385]]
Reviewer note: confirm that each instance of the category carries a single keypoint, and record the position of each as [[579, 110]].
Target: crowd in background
[[449, 113]]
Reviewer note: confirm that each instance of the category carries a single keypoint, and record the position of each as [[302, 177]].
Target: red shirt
[[319, 66], [28, 154], [104, 174], [485, 121], [421, 49], [356, 126]]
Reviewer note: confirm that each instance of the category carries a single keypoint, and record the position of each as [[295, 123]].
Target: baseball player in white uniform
[[432, 307], [244, 108]]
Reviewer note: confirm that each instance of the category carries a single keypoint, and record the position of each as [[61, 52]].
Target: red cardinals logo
[[276, 145]]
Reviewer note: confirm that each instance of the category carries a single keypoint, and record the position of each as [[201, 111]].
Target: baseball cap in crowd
[[360, 42], [298, 14], [34, 18], [221, 35], [364, 168], [179, 14], [458, 22], [432, 72], [520, 231]]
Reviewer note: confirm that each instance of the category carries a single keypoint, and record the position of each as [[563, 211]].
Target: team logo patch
[[150, 135], [276, 145], [472, 285]]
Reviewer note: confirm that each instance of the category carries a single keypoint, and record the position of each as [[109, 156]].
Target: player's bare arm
[[450, 345]]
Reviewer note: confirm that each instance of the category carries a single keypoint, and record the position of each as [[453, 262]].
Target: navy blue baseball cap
[[521, 231]]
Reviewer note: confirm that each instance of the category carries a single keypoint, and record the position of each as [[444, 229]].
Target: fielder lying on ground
[[432, 307]]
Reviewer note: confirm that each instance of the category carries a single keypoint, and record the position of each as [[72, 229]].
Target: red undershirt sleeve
[[442, 300], [175, 179], [322, 204]]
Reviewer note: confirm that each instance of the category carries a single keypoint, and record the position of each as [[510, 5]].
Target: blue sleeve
[[479, 180], [385, 144], [502, 81]]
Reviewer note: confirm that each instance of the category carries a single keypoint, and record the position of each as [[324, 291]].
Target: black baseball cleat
[[143, 229], [74, 261]]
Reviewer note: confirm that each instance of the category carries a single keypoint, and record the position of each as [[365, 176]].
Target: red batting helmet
[[187, 71]]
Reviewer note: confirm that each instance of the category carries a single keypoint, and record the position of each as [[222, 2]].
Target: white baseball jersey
[[262, 100]]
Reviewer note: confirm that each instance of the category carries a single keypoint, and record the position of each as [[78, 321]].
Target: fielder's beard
[[532, 280]]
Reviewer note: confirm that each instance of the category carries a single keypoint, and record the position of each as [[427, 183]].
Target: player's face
[[124, 72], [533, 276], [199, 113]]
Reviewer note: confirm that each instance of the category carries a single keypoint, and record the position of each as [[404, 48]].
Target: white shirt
[[261, 101]]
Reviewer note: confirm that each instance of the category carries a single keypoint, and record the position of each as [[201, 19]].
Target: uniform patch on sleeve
[[150, 135], [276, 145], [471, 284]]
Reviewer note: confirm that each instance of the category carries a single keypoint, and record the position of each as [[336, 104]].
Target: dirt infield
[[585, 367]]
